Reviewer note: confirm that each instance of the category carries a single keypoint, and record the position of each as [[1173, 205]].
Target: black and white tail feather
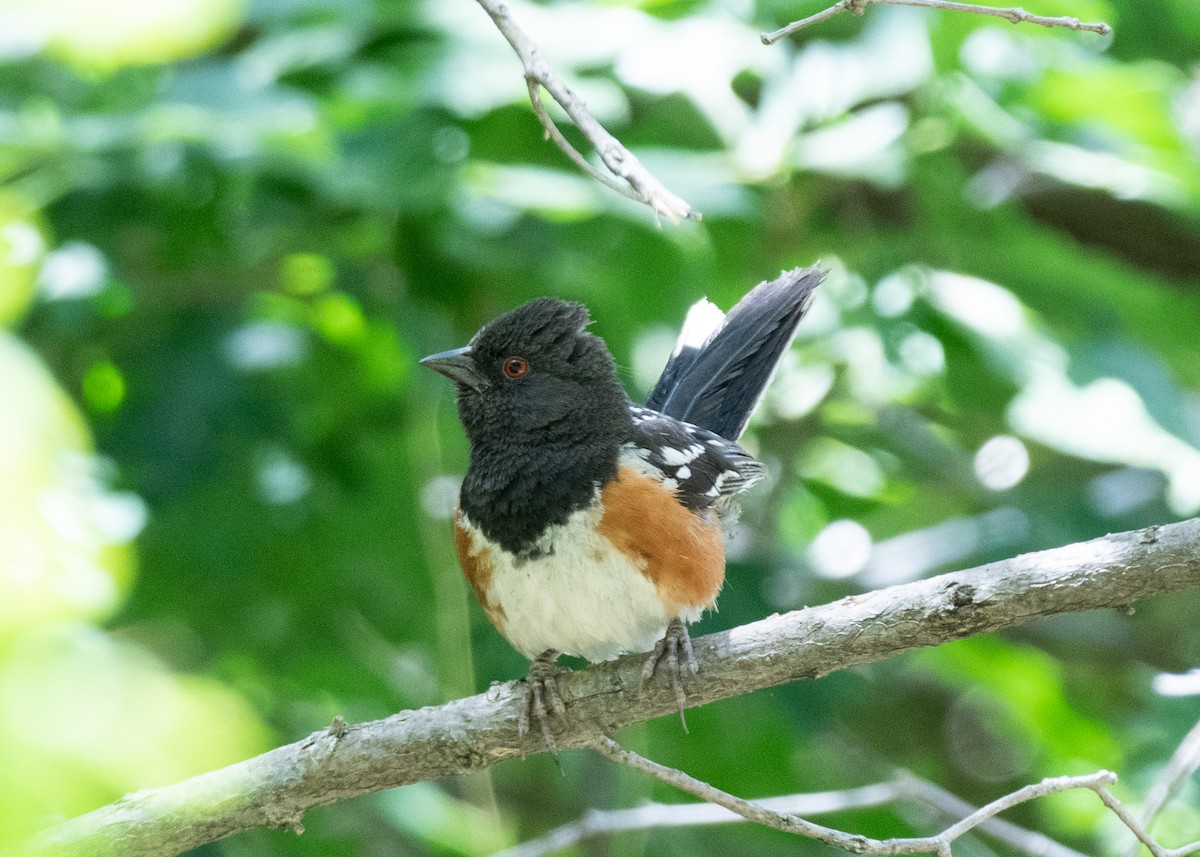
[[686, 433], [722, 364]]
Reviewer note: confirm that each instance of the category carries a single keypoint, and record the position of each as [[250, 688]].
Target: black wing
[[702, 467], [717, 383]]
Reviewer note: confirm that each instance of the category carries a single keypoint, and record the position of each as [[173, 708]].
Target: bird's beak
[[458, 366]]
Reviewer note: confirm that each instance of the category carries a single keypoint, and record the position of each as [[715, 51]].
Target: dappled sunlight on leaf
[[848, 469], [1106, 420], [863, 144], [74, 270], [827, 80], [86, 719], [551, 192], [122, 32], [63, 536], [83, 718], [1123, 178], [22, 245], [1001, 462], [990, 309], [945, 545]]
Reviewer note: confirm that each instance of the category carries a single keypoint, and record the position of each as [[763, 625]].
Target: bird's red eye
[[515, 367]]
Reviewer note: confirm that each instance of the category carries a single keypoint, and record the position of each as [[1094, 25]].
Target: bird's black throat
[[544, 437], [516, 487]]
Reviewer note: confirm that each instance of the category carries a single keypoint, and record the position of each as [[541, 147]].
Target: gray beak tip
[[456, 365]]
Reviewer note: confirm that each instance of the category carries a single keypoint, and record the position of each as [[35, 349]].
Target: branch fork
[[625, 175], [1015, 14], [938, 844]]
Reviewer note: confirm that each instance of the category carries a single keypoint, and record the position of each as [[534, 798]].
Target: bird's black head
[[534, 375], [545, 413]]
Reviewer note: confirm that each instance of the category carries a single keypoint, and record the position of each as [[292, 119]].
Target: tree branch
[[599, 822], [902, 787], [636, 182], [855, 843], [1185, 761], [1015, 14], [278, 787]]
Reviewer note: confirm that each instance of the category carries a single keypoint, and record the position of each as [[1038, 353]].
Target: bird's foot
[[542, 699], [676, 649]]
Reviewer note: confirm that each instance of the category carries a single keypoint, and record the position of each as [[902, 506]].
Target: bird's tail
[[722, 363]]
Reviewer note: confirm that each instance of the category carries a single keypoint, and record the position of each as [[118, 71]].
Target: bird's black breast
[[540, 454], [515, 494]]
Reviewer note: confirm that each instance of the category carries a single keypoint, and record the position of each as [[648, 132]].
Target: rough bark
[[276, 788]]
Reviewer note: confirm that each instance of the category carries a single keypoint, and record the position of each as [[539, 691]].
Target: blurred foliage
[[227, 230]]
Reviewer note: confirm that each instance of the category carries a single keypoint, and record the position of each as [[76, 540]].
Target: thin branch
[[938, 844], [1027, 841], [564, 145], [747, 809], [1140, 832], [636, 181], [278, 787], [903, 787], [1184, 762], [654, 815], [852, 842], [1015, 14], [1048, 786], [820, 17]]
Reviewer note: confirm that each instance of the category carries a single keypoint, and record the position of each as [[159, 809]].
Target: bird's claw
[[542, 698], [675, 642]]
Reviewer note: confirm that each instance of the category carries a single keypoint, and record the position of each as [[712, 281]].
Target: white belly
[[582, 598]]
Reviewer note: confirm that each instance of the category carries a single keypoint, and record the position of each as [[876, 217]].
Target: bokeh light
[[1001, 462], [840, 550]]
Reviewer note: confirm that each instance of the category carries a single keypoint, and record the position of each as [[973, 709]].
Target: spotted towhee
[[589, 525]]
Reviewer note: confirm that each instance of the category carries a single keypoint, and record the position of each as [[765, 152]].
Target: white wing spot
[[683, 472], [673, 457]]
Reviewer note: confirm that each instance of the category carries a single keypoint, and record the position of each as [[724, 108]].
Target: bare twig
[[632, 179], [904, 786], [1140, 832], [277, 788], [1027, 841], [652, 815], [1184, 762], [1015, 14], [820, 17], [556, 136], [938, 844], [747, 809]]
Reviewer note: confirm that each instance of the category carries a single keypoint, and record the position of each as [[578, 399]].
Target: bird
[[592, 526]]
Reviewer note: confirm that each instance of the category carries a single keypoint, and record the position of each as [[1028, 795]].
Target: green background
[[228, 230]]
